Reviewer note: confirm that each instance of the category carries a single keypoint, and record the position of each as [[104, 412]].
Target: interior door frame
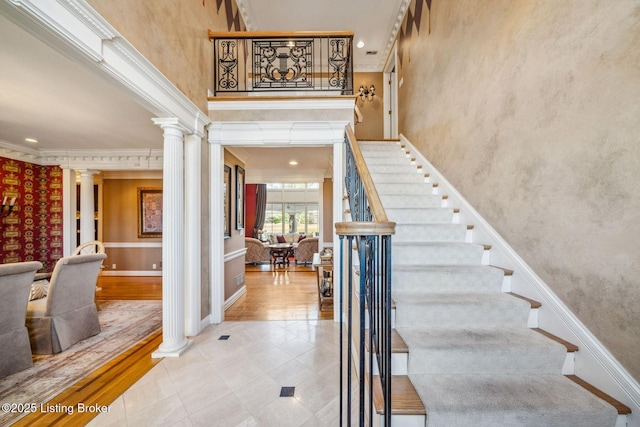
[[390, 76]]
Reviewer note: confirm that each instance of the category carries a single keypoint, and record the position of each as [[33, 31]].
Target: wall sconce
[[367, 93], [6, 212]]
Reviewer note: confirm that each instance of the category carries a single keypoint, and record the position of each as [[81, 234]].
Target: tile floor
[[237, 382]]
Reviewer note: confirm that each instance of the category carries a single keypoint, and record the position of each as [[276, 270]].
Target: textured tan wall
[[120, 200], [530, 108], [372, 126], [120, 213], [133, 259], [173, 36], [327, 212]]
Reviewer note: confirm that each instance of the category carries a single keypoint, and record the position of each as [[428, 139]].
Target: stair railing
[[370, 232], [290, 62]]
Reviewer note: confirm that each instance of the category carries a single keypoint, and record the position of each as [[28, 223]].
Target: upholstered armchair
[[15, 286], [257, 252], [68, 314], [304, 250]]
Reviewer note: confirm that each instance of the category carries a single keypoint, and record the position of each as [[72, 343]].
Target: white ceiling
[[374, 22], [63, 102]]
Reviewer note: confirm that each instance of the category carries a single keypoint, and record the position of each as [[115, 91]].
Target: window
[[292, 208], [273, 218]]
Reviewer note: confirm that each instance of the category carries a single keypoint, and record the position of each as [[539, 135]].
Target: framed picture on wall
[[149, 212], [227, 201], [239, 198]]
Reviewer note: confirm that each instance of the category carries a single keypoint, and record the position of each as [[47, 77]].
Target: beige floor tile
[[283, 412], [237, 382], [259, 393], [223, 412]]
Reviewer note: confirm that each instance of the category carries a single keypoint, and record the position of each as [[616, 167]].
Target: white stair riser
[[459, 315], [388, 161], [403, 168], [409, 201], [453, 279], [437, 254], [430, 233], [465, 361], [415, 189], [420, 216], [394, 178]]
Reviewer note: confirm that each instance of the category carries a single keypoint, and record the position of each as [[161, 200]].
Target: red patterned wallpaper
[[33, 231]]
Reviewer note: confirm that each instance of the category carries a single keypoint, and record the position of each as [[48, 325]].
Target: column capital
[[88, 172], [169, 123]]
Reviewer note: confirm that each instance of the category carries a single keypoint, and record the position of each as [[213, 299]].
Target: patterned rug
[[123, 324]]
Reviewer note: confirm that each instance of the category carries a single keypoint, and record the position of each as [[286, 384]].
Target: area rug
[[123, 324]]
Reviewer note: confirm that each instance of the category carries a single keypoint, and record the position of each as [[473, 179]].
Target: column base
[[175, 352]]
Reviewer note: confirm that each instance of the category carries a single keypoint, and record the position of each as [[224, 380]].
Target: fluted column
[[193, 234], [69, 208], [87, 206], [174, 341], [216, 228]]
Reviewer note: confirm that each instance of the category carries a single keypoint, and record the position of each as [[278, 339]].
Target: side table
[[280, 253], [322, 267]]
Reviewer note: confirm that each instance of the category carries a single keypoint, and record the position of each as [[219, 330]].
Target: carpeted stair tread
[[481, 351], [393, 178], [392, 160], [405, 168], [399, 201], [430, 233], [448, 278], [432, 215], [412, 188], [462, 309], [437, 253], [510, 400]]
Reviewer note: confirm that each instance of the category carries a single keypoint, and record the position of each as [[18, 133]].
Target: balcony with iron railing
[[275, 63]]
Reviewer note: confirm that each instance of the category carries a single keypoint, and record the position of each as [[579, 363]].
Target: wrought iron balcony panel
[[268, 62]]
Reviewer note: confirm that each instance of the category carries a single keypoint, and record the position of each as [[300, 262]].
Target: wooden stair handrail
[[275, 34], [356, 228], [375, 205]]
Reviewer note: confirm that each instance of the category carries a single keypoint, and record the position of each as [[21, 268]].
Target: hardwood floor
[[272, 294], [279, 294], [129, 288]]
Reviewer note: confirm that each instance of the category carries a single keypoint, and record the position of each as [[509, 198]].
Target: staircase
[[466, 352]]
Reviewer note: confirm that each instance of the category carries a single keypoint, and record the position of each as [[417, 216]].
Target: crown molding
[[73, 27], [86, 159]]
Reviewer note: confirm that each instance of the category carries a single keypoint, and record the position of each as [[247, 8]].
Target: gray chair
[[15, 285], [68, 314], [304, 250], [257, 252]]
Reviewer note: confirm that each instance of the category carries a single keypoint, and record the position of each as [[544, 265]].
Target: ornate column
[[174, 341], [87, 206]]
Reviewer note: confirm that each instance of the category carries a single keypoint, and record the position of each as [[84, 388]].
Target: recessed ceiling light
[[293, 163], [31, 140], [360, 44]]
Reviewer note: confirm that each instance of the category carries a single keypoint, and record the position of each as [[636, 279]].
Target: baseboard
[[594, 363], [233, 298]]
